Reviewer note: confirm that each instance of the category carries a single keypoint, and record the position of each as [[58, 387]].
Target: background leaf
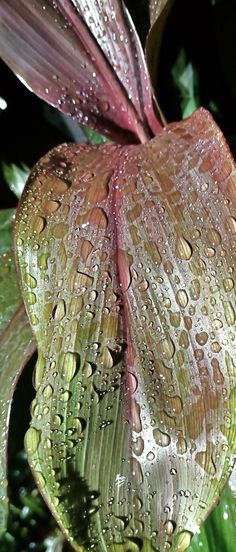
[[218, 531], [16, 177], [6, 223], [16, 347], [10, 298]]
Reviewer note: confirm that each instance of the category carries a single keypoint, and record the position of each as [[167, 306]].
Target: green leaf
[[92, 136], [6, 224], [186, 80], [16, 347], [10, 298], [129, 254], [16, 177], [218, 531]]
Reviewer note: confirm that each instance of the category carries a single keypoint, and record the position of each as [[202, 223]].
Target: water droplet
[[136, 470], [202, 338], [51, 206], [181, 445], [230, 225], [162, 439], [169, 527], [150, 456], [40, 480], [213, 237], [47, 392], [165, 348], [29, 280], [228, 284], [183, 249], [229, 313], [39, 224], [65, 396], [68, 365], [32, 440], [138, 446], [182, 298], [57, 420]]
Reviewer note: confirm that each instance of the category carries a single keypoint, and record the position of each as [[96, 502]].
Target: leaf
[[15, 177], [130, 252], [6, 223], [88, 62], [16, 347], [10, 298], [159, 12], [218, 531], [186, 80]]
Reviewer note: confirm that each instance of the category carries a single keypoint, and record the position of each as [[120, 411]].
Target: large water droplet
[[32, 440], [39, 224], [183, 249], [182, 298], [161, 438], [68, 365]]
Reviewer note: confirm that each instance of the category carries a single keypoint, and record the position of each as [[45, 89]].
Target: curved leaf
[[129, 254], [16, 347], [85, 60]]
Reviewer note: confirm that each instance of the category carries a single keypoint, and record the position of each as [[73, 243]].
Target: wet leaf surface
[[110, 89], [127, 258], [16, 347]]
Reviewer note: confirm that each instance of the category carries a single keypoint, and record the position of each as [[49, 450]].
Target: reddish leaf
[[86, 60], [130, 254]]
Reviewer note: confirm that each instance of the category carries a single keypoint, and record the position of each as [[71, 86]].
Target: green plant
[[126, 256]]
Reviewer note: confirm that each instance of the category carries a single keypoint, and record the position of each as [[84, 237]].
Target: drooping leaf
[[159, 11], [218, 531], [10, 298], [16, 177], [86, 59], [129, 253], [6, 223], [16, 347]]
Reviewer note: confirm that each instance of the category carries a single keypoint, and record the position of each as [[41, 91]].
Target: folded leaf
[[127, 257], [85, 60], [16, 347]]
